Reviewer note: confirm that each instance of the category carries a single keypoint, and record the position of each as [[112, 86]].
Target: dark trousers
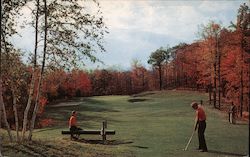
[[73, 130], [201, 131]]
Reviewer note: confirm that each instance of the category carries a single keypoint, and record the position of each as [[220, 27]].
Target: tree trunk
[[32, 85], [219, 77], [129, 85], [241, 75], [166, 76], [4, 111], [176, 76], [36, 35], [215, 72], [32, 123], [26, 112], [215, 86], [2, 106], [248, 85], [241, 88], [1, 146], [1, 113], [41, 74], [182, 75], [210, 93], [15, 111], [160, 77], [143, 81]]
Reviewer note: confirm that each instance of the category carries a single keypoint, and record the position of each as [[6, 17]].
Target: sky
[[139, 27]]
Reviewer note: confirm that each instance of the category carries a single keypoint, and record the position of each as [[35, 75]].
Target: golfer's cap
[[73, 112]]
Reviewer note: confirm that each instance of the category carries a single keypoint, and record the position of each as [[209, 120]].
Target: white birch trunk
[[32, 124], [26, 112], [15, 112], [4, 111], [1, 112], [1, 146], [33, 119]]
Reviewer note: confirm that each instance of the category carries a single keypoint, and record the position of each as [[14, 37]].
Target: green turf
[[155, 124]]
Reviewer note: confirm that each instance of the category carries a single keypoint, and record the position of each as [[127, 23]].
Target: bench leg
[[104, 126], [104, 137]]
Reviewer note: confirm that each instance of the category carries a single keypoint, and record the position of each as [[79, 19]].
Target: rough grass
[[159, 126]]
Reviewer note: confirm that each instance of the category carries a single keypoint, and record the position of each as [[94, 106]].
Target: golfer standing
[[200, 121]]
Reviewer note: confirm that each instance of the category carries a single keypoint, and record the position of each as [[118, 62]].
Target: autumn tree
[[15, 80], [8, 13], [139, 77], [177, 60], [101, 82], [242, 28], [126, 82], [210, 34], [78, 83]]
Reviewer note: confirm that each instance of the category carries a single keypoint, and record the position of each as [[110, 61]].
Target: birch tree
[[9, 10]]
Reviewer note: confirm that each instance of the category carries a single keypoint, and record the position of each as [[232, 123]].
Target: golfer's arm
[[196, 123]]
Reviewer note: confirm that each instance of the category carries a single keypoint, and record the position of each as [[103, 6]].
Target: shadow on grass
[[224, 153], [36, 148], [241, 123], [49, 129], [136, 100], [141, 147], [28, 147], [17, 150], [107, 142]]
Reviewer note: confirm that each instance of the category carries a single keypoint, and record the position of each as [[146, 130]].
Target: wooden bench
[[103, 132]]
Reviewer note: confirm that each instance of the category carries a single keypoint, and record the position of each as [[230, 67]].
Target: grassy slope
[[159, 126]]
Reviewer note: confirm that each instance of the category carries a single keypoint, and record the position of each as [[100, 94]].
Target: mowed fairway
[[152, 124]]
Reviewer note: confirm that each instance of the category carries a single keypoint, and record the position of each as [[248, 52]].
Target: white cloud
[[115, 12], [215, 6], [162, 17], [143, 16]]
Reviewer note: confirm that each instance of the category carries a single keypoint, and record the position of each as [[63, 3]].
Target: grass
[[151, 124]]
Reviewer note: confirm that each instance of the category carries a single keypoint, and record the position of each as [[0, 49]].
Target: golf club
[[189, 141]]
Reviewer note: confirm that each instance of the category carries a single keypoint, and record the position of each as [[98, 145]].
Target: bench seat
[[90, 132]]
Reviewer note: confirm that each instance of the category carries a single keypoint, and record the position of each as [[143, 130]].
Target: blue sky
[[138, 27]]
